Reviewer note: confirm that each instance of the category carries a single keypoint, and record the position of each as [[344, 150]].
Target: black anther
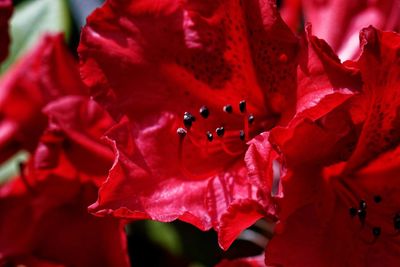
[[209, 136], [242, 106], [242, 135], [188, 119], [353, 211], [376, 231], [362, 214], [250, 118], [220, 131], [181, 132], [377, 199], [228, 109], [204, 112], [363, 204]]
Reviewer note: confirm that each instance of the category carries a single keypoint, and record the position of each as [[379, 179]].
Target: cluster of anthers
[[361, 213], [224, 137], [189, 119]]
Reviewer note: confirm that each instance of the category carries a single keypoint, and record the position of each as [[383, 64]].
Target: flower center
[[372, 211], [221, 130]]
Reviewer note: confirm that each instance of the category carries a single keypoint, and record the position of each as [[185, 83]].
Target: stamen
[[188, 119], [220, 131], [362, 214], [209, 136], [228, 109], [242, 135], [181, 132], [376, 231], [353, 211], [242, 106], [250, 118], [363, 204], [377, 199], [204, 112]]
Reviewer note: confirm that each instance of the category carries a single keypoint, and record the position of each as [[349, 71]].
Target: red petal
[[72, 139], [291, 11], [322, 77], [52, 203], [380, 69], [44, 74], [323, 121], [322, 232], [5, 14], [339, 21], [144, 184], [210, 54], [240, 215], [264, 171]]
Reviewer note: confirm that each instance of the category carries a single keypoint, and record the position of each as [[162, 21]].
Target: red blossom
[[348, 213], [48, 221], [5, 14], [44, 74], [53, 193], [153, 61]]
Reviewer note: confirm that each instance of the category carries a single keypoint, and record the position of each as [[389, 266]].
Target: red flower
[[54, 191], [5, 14], [348, 214], [44, 74], [154, 61], [339, 21], [49, 222]]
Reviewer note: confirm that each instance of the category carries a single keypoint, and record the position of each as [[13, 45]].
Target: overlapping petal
[[71, 144], [55, 189], [341, 210], [379, 65], [49, 222], [44, 74], [319, 232], [339, 21], [200, 52]]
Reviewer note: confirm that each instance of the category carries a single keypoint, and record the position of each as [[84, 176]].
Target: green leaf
[[165, 235], [31, 20], [10, 168]]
